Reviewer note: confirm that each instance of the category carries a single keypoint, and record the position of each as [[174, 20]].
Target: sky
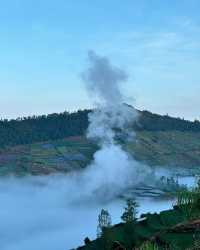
[[44, 46]]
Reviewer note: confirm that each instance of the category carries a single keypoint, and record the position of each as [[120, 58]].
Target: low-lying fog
[[45, 213]]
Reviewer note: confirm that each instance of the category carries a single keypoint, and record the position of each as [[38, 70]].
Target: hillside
[[164, 148], [167, 230], [177, 228], [34, 129], [56, 143]]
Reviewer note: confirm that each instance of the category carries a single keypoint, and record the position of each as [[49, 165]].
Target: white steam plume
[[113, 169], [102, 80]]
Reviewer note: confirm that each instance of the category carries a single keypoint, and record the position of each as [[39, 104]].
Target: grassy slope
[[163, 148], [169, 228], [171, 148], [178, 228]]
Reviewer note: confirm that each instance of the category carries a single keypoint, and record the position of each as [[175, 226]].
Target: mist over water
[[38, 213], [46, 213], [52, 213]]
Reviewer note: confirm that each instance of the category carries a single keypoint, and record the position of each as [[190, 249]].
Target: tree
[[130, 212], [87, 241], [104, 221]]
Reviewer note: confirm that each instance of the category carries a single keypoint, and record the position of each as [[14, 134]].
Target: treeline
[[153, 122], [42, 128], [57, 126]]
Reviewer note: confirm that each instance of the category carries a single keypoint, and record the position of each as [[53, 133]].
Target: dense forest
[[57, 126]]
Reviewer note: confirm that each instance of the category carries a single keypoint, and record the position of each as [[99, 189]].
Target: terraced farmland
[[49, 157], [164, 148]]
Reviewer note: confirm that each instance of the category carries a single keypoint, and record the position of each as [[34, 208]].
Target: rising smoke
[[103, 83], [113, 169], [102, 80]]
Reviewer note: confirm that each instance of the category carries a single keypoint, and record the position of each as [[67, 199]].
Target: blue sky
[[44, 44]]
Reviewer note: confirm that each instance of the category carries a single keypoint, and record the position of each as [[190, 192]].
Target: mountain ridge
[[56, 126]]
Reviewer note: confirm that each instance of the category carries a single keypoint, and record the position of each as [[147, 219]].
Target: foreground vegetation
[[178, 228]]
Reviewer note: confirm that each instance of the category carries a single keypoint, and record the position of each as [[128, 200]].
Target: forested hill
[[57, 126]]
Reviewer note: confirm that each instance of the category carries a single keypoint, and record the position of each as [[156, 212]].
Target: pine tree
[[104, 221], [87, 241], [130, 212]]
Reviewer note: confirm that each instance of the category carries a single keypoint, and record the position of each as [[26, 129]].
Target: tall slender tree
[[104, 221], [130, 211]]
